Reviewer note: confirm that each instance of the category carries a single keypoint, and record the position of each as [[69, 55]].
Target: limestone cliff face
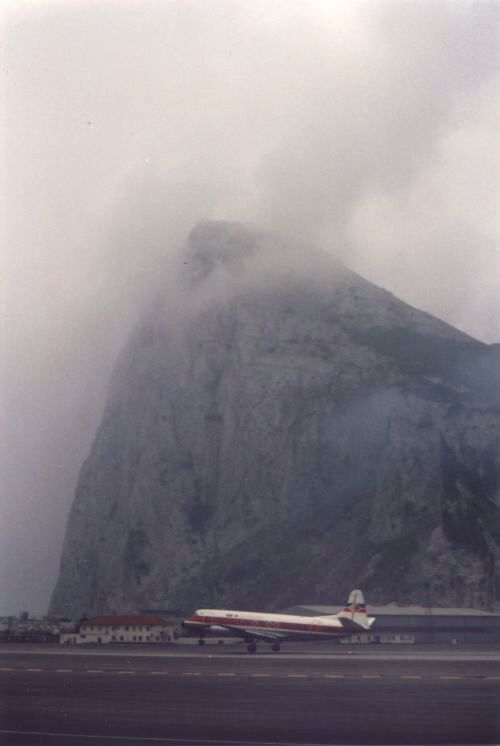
[[278, 432]]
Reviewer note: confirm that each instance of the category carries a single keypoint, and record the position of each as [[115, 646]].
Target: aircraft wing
[[252, 634]]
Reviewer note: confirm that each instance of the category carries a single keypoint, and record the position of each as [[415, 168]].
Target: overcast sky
[[368, 128]]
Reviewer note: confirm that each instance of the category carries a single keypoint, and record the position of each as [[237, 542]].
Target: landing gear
[[201, 641], [275, 647], [251, 647]]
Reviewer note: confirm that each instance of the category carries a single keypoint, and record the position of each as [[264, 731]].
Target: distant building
[[28, 629], [419, 624], [69, 637], [385, 638], [120, 628]]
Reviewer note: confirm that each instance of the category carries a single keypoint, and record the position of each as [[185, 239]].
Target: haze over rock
[[279, 430]]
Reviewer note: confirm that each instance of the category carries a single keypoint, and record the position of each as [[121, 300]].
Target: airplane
[[256, 627]]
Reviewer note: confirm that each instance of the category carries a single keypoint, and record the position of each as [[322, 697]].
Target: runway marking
[[148, 739], [283, 674]]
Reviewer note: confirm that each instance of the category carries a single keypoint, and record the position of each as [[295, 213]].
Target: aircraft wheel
[[275, 647], [201, 641], [252, 647]]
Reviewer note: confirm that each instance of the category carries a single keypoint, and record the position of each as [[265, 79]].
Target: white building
[[121, 628]]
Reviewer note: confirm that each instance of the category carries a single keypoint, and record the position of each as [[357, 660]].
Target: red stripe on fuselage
[[272, 625]]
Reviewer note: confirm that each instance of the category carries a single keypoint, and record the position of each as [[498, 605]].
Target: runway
[[312, 694]]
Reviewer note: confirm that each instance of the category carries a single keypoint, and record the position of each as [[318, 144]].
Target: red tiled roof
[[129, 619]]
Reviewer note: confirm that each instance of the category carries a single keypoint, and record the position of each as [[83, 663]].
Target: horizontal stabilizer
[[356, 626]]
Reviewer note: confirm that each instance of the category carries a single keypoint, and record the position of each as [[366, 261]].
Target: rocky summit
[[278, 431]]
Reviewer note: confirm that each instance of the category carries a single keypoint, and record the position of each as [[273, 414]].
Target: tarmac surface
[[306, 694]]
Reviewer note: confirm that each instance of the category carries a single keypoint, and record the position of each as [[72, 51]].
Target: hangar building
[[419, 624]]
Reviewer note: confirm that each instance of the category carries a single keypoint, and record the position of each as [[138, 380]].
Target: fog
[[367, 129]]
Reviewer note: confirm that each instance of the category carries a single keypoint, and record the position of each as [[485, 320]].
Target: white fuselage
[[283, 626]]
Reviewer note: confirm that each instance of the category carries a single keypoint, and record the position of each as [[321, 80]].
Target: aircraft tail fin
[[354, 613]]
